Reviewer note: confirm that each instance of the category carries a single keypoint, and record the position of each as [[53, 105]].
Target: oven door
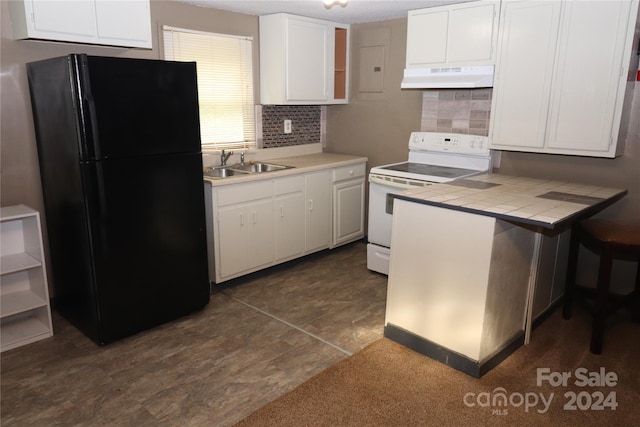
[[380, 210], [380, 215]]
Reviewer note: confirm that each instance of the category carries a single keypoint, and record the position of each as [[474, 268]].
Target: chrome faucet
[[224, 157], [242, 158]]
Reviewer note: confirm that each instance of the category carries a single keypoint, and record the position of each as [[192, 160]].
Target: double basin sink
[[242, 169]]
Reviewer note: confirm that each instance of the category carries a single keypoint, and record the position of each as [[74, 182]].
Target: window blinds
[[225, 84]]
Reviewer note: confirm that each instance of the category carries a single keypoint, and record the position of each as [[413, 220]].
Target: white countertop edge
[[301, 164]]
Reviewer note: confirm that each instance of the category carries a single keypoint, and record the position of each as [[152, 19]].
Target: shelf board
[[16, 334], [17, 262], [19, 302], [11, 213]]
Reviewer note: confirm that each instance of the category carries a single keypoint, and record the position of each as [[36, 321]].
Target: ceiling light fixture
[[328, 4]]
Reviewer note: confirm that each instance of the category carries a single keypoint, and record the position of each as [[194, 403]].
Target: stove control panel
[[449, 142]]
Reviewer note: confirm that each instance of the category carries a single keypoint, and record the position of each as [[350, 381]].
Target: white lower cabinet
[[243, 228], [348, 203], [24, 294], [254, 225], [552, 272], [289, 217], [318, 210]]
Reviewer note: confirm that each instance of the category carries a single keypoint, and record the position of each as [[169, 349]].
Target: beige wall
[[19, 175], [376, 125]]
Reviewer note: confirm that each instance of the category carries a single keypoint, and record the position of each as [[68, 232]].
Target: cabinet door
[[118, 23], [348, 216], [233, 241], [452, 35], [472, 30], [52, 19], [318, 210], [526, 51], [289, 220], [423, 26], [245, 236], [587, 84], [261, 239], [124, 22], [307, 60]]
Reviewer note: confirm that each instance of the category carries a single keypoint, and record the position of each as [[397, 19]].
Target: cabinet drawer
[[290, 184], [239, 193], [348, 172]]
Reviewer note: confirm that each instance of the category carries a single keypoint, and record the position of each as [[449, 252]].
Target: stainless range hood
[[448, 78]]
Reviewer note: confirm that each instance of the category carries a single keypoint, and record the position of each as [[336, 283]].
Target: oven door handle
[[377, 180]]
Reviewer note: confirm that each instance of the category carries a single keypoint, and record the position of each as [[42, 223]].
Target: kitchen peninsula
[[465, 258]]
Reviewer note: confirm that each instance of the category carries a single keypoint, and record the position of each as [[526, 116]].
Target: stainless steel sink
[[238, 169], [259, 167], [222, 172]]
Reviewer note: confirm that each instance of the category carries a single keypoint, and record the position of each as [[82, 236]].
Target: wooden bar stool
[[609, 240]]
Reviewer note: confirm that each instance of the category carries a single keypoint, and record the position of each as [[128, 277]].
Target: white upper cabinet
[[115, 23], [307, 61], [561, 76], [456, 35], [525, 64], [303, 60]]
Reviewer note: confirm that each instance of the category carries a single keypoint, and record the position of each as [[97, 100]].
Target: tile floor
[[259, 337]]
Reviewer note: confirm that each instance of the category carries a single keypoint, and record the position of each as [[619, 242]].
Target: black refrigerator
[[121, 169]]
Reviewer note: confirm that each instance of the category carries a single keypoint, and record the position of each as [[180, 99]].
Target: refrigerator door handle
[[88, 123]]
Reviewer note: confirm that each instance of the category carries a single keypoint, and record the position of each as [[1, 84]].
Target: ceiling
[[356, 11]]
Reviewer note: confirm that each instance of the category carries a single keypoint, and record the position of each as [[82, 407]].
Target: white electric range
[[433, 158]]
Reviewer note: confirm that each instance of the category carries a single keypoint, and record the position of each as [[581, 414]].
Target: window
[[225, 84]]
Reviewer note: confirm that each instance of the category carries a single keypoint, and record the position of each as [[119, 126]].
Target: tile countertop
[[536, 202], [300, 164]]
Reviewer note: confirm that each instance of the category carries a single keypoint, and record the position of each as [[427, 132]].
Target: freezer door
[[136, 107], [149, 241]]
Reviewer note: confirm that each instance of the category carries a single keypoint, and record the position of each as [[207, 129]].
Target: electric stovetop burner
[[429, 170]]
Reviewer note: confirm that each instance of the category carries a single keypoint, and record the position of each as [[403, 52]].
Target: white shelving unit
[[25, 314]]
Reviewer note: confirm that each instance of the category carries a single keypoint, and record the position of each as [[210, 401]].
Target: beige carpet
[[387, 384]]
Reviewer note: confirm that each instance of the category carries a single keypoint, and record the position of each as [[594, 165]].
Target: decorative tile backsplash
[[305, 125], [456, 110]]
